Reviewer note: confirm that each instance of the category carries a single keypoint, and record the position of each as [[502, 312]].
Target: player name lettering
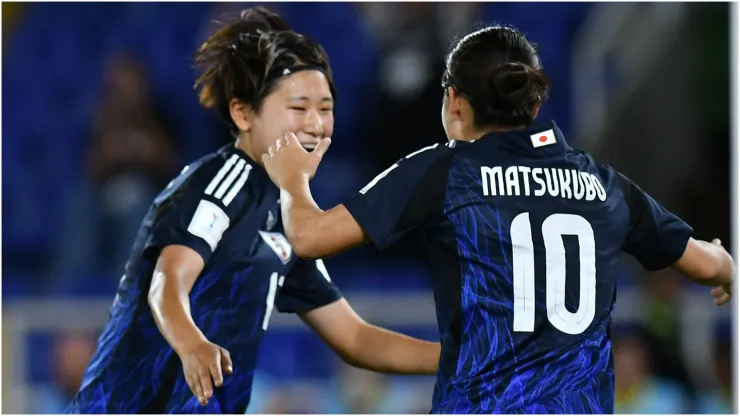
[[555, 182]]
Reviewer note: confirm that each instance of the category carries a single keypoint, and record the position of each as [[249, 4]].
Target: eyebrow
[[304, 98]]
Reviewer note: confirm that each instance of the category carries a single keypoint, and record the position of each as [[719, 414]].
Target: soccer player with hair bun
[[522, 232]]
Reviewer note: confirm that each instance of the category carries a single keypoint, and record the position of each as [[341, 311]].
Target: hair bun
[[516, 85]]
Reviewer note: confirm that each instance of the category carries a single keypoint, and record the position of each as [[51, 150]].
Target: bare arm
[[203, 362], [174, 276], [370, 347], [315, 233], [706, 263], [383, 211]]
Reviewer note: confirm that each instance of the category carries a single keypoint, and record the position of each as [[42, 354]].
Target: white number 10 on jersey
[[553, 229]]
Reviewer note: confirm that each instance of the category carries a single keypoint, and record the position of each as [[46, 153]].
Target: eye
[[327, 110], [298, 108]]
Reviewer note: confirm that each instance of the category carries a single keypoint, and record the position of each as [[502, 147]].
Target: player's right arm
[[174, 275], [398, 200], [659, 239], [183, 238]]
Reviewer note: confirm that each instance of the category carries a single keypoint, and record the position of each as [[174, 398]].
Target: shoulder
[[220, 177], [221, 170], [419, 164]]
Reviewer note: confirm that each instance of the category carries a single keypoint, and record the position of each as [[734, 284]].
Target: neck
[[475, 134], [243, 143]]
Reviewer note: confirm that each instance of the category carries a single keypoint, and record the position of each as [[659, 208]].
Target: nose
[[313, 124]]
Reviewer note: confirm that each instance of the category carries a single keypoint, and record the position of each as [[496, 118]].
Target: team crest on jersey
[[279, 244]]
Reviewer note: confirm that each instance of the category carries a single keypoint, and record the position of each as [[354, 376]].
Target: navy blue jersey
[[224, 207], [523, 236]]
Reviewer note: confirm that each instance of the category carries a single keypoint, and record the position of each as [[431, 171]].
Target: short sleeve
[[403, 196], [201, 205], [657, 238], [307, 287]]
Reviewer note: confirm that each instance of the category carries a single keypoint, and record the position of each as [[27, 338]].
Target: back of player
[[539, 228], [523, 235], [528, 241]]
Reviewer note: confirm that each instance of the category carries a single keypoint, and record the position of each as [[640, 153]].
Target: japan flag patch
[[543, 139]]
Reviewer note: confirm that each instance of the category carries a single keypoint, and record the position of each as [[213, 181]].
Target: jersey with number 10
[[523, 236], [225, 208]]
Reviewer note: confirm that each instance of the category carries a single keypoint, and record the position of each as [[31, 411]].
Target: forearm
[[299, 210], [385, 351], [170, 307], [716, 270], [726, 266]]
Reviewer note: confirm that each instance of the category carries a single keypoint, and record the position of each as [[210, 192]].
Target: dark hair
[[246, 58], [499, 72]]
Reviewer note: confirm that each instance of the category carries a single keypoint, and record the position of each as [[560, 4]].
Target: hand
[[288, 161], [202, 362], [721, 294]]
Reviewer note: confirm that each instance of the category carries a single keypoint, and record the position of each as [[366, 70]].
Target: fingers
[[216, 374], [206, 386], [322, 147], [287, 140], [226, 363], [269, 155], [194, 385], [724, 299], [203, 368], [728, 288], [721, 296], [290, 138]]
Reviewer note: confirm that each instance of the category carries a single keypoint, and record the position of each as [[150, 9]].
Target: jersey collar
[[540, 138], [257, 168]]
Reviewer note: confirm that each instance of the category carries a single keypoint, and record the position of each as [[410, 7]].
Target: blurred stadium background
[[99, 113]]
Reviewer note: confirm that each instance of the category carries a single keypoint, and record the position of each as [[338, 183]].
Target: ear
[[453, 103], [241, 114]]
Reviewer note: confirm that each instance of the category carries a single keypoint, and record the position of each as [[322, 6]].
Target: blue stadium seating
[[52, 83]]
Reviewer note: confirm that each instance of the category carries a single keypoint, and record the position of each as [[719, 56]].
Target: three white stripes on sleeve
[[234, 167]]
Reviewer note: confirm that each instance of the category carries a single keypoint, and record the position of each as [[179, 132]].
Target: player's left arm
[[309, 293]]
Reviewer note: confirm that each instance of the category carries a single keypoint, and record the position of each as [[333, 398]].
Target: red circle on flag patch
[[543, 139]]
